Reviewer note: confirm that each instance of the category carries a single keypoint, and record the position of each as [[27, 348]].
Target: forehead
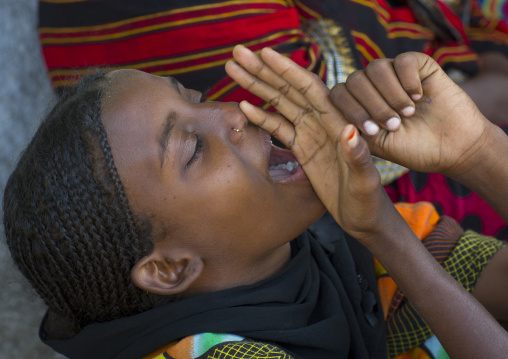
[[134, 108], [125, 81], [136, 95]]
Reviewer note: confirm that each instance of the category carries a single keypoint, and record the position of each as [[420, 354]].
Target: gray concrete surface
[[25, 95]]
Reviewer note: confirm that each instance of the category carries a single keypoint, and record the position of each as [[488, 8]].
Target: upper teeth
[[290, 166]]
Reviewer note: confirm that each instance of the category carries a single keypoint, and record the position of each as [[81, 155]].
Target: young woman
[[192, 40], [156, 224]]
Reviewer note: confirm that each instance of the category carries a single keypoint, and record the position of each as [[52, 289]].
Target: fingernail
[[408, 111], [246, 106], [352, 139], [393, 123], [370, 128], [416, 97]]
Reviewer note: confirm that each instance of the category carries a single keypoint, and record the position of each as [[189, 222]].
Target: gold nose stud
[[237, 130]]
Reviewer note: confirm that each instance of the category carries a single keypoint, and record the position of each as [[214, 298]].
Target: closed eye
[[198, 150]]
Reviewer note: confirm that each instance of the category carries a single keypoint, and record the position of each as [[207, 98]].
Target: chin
[[302, 222]]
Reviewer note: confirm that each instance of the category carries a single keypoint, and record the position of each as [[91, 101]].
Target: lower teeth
[[290, 166]]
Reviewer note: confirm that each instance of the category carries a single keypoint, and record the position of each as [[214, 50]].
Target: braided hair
[[67, 220]]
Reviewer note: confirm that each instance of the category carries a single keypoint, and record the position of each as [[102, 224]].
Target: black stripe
[[96, 12]]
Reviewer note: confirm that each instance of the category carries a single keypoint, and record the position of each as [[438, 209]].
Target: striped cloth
[[192, 40]]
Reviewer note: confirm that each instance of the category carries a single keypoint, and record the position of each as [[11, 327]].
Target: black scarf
[[307, 309]]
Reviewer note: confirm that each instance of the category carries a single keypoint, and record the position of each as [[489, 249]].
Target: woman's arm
[[338, 163], [446, 132]]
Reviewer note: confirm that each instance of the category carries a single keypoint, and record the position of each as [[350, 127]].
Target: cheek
[[233, 197], [234, 193]]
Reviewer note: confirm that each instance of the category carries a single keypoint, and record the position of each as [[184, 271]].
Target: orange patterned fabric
[[422, 217]]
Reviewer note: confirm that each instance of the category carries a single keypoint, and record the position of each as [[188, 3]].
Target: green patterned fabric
[[245, 350], [473, 251]]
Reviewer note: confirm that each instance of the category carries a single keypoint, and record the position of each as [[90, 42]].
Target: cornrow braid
[[67, 219]]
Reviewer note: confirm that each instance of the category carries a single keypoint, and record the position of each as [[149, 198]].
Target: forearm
[[452, 313]]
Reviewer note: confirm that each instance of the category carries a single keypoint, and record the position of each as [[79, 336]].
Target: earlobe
[[166, 276]]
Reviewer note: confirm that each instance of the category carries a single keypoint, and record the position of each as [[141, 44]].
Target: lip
[[272, 153]]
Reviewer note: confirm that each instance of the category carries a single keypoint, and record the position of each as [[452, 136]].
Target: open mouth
[[282, 165]]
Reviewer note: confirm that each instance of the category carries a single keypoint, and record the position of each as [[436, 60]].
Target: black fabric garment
[[315, 308]]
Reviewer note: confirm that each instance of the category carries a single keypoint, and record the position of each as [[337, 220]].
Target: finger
[[275, 124], [285, 106], [304, 81], [364, 179], [383, 76], [407, 67], [257, 67], [354, 112], [363, 90]]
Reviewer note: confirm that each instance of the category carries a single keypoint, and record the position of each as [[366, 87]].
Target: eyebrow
[[174, 82], [165, 133], [168, 123]]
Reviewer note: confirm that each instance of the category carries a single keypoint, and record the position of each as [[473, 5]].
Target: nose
[[236, 119], [231, 119], [238, 123]]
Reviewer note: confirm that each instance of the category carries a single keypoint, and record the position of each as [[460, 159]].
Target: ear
[[167, 274]]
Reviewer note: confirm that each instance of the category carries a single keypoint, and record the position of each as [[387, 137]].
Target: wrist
[[479, 155], [482, 158], [485, 170]]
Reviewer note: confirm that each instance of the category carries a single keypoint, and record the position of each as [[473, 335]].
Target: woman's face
[[200, 182]]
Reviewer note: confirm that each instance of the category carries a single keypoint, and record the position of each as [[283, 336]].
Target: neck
[[238, 273]]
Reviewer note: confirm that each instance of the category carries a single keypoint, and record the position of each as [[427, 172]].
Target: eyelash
[[197, 150]]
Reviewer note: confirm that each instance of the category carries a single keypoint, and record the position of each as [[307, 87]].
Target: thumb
[[363, 177]]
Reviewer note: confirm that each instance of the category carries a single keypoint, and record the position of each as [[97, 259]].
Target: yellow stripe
[[444, 50], [383, 16], [266, 106], [123, 34], [410, 35], [375, 6], [369, 42], [496, 36], [158, 73], [308, 10], [85, 71], [459, 58], [198, 55], [51, 30], [425, 32], [221, 91], [190, 68], [364, 52], [61, 1], [321, 69]]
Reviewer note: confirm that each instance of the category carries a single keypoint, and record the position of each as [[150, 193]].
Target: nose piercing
[[236, 129]]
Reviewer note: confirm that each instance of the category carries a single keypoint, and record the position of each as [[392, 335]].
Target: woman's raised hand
[[332, 153], [412, 113], [303, 100]]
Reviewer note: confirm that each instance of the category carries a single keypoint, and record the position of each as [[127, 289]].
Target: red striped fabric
[[191, 39]]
